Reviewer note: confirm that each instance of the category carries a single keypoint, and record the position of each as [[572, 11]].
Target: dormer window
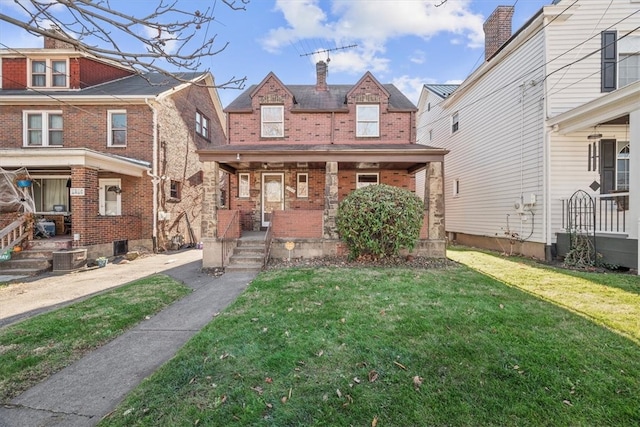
[[49, 73], [368, 120]]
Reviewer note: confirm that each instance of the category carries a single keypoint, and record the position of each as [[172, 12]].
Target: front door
[[272, 195]]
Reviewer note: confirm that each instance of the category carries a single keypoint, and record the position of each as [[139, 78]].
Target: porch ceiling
[[411, 157], [67, 157]]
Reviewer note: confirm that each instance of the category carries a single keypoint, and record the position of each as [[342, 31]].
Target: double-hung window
[[202, 125], [117, 132], [42, 128], [49, 73], [455, 122], [368, 120], [272, 121]]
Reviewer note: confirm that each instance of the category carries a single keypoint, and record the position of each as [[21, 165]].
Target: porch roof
[[67, 157], [599, 111], [412, 157]]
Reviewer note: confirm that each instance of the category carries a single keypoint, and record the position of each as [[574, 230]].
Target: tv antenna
[[327, 51]]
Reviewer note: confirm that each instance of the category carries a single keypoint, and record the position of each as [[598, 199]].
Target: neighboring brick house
[[113, 151], [293, 152]]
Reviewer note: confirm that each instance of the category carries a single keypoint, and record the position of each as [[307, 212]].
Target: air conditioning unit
[[71, 260], [518, 205]]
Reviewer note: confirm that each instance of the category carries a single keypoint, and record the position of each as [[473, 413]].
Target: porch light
[[595, 136]]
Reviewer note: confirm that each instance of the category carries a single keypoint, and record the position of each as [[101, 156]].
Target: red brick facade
[[159, 155]]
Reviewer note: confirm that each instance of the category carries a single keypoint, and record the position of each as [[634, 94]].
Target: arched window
[[622, 166]]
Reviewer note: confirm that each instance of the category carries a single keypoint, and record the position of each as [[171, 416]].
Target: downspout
[[154, 176]]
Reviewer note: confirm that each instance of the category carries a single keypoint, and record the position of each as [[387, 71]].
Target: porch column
[[83, 208], [212, 249], [330, 201], [634, 178], [434, 199]]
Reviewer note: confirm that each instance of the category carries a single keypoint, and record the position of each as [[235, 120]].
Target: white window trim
[[377, 134], [623, 145], [365, 184], [110, 143], [455, 121], [248, 189], [302, 188], [48, 73], [263, 121], [45, 127], [103, 184]]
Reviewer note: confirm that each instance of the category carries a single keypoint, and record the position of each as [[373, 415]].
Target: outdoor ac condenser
[[71, 260]]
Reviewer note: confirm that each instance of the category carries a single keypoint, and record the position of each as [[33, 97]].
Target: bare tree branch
[[167, 36]]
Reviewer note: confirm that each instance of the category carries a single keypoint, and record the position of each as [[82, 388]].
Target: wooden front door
[[272, 195]]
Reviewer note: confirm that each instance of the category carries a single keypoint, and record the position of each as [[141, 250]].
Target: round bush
[[379, 220]]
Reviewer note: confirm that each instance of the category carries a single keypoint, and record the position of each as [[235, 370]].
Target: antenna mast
[[328, 50]]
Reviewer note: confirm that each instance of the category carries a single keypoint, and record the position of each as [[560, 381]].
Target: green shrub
[[379, 220]]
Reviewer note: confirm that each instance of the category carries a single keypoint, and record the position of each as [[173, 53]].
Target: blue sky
[[405, 42]]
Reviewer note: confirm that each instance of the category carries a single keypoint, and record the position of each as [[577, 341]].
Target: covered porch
[[292, 193], [602, 200]]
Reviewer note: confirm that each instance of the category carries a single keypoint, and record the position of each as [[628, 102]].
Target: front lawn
[[34, 349], [392, 347]]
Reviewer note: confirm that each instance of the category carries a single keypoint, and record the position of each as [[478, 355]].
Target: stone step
[[32, 254], [245, 258], [50, 244], [18, 266], [242, 268], [259, 250]]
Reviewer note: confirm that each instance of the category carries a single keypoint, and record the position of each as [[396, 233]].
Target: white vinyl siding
[[568, 44]]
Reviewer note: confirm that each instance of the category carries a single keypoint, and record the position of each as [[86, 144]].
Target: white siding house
[[553, 109]]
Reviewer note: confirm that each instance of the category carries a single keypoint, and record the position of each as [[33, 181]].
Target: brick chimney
[[497, 30], [322, 69], [53, 43]]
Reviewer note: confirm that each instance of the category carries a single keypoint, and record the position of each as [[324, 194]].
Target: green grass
[[392, 347], [34, 349], [610, 299]]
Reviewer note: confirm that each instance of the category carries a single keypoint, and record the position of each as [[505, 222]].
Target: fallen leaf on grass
[[268, 380], [501, 305], [567, 402], [320, 353], [257, 389], [417, 382], [374, 422], [284, 399], [356, 380], [400, 365], [373, 375], [338, 392]]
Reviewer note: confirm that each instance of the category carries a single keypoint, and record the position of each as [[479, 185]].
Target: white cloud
[[418, 57], [371, 24], [411, 87]]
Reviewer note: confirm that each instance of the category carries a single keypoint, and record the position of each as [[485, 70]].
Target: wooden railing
[[227, 247], [15, 233]]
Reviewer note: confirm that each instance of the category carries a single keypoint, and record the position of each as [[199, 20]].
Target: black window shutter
[[609, 55], [607, 166]]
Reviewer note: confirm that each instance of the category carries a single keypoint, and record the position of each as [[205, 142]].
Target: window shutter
[[609, 55], [607, 166]]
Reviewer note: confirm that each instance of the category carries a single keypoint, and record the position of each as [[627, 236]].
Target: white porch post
[[634, 177]]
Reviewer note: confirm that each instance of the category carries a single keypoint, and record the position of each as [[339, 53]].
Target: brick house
[[111, 154], [293, 152]]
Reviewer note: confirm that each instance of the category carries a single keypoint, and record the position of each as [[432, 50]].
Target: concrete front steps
[[248, 255], [36, 259]]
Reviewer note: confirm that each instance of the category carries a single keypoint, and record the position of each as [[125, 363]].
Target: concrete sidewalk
[[83, 393]]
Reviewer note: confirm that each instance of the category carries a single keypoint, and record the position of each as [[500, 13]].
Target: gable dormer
[[272, 99], [59, 66], [369, 99]]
